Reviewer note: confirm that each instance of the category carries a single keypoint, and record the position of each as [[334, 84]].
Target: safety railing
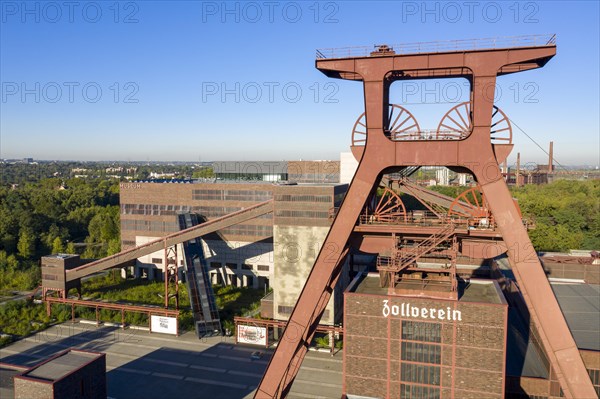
[[439, 46], [428, 134], [429, 219]]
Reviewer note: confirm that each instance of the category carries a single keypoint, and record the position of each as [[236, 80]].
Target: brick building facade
[[410, 347]]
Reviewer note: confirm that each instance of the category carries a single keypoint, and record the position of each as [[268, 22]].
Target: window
[[417, 331], [302, 214], [418, 392], [215, 265], [303, 198], [249, 230], [231, 265], [262, 268], [246, 266], [232, 195], [157, 261], [420, 373], [422, 353]]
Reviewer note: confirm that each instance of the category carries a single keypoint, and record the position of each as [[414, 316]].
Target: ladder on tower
[[202, 297]]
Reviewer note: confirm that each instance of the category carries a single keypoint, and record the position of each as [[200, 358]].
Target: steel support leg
[[315, 295], [558, 343]]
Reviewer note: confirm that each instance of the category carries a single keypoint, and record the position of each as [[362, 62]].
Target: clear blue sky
[[189, 81]]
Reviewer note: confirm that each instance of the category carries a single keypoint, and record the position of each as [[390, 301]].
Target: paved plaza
[[144, 365]]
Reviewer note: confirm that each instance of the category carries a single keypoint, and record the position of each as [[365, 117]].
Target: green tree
[[70, 249], [57, 246], [26, 245], [554, 238], [204, 172]]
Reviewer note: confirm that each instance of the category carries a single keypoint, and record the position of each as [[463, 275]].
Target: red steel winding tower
[[471, 138]]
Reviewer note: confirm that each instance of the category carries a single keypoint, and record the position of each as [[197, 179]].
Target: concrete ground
[[144, 365]]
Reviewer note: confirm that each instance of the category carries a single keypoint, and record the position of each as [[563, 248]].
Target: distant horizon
[[524, 163]]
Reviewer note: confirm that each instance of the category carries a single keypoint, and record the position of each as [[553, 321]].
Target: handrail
[[401, 258], [440, 46]]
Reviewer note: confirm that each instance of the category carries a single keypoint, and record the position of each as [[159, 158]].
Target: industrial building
[[275, 250], [73, 373]]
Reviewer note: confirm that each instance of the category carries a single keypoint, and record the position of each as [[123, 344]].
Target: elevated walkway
[[122, 258]]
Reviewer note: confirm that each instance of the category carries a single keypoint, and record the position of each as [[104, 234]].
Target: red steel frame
[[475, 154]]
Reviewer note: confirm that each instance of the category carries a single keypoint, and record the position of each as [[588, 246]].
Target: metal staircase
[[404, 257], [202, 297]]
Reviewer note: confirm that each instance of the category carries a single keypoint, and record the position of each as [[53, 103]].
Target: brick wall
[[471, 350]]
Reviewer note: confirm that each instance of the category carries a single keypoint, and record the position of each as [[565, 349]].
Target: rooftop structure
[[72, 373]]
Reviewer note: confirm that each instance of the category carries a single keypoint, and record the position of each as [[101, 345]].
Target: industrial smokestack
[[518, 172], [551, 158]]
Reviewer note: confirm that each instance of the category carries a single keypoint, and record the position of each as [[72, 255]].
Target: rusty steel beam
[[211, 226], [474, 153], [157, 310]]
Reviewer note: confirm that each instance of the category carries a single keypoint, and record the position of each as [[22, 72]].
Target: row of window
[[147, 225], [314, 177], [239, 230], [244, 266], [302, 214], [248, 230], [303, 198], [418, 392], [232, 195], [167, 210], [156, 210], [422, 353], [418, 331], [419, 373]]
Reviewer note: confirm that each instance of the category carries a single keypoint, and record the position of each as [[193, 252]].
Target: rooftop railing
[[439, 46]]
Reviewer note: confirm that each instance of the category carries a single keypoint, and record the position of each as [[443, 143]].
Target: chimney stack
[[518, 172]]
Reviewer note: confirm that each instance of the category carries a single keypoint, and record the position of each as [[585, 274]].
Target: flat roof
[[61, 256], [58, 367], [580, 303], [522, 356], [474, 290], [211, 181]]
